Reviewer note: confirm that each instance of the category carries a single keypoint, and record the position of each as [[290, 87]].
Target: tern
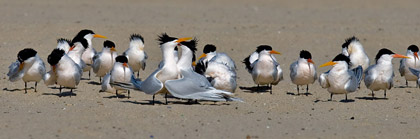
[[64, 71], [29, 67], [353, 49], [263, 67], [103, 61], [64, 44], [303, 71], [209, 53], [79, 45], [121, 72], [135, 53], [340, 80], [380, 75], [412, 62]]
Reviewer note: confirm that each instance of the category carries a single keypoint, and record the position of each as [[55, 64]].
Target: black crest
[[201, 67], [263, 47], [305, 54], [341, 57], [55, 56], [121, 59], [82, 40], [164, 38], [109, 44], [192, 45], [62, 40], [247, 63], [83, 33], [26, 54], [413, 48], [136, 37], [348, 41], [383, 51], [209, 48]]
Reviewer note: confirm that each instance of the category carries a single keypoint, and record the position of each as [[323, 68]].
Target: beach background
[[236, 28]]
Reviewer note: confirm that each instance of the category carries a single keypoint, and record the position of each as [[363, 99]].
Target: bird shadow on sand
[[149, 102], [17, 89], [403, 86], [120, 96], [63, 94], [300, 94], [255, 89], [372, 98], [94, 83], [329, 100]]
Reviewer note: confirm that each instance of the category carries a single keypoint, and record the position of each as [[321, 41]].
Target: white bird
[[155, 83], [121, 72], [29, 67], [79, 45], [64, 44], [263, 67], [380, 75], [103, 61], [135, 53], [218, 68], [64, 71], [192, 85], [353, 49], [412, 62], [175, 57], [303, 71], [88, 54], [339, 79]]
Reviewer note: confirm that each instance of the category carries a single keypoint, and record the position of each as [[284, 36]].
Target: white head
[[136, 41]]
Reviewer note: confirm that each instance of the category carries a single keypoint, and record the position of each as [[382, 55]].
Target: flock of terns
[[212, 77]]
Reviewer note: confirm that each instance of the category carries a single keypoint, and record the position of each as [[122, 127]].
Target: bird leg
[[60, 91], [417, 83], [25, 88], [384, 93], [331, 96], [71, 92], [128, 94], [89, 74], [406, 83], [138, 74], [373, 95], [166, 98], [346, 97], [100, 79], [153, 101], [271, 89], [307, 89], [36, 83], [116, 93], [297, 88]]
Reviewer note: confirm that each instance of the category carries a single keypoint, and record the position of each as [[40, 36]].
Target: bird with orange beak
[[29, 67], [103, 61], [380, 76], [121, 72], [412, 62], [303, 71], [263, 67]]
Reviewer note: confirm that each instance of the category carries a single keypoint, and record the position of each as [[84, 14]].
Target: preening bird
[[103, 61], [64, 44], [380, 75], [79, 45], [263, 67], [340, 79], [209, 53], [353, 49], [135, 53], [64, 71], [29, 67], [121, 72], [412, 62], [90, 52], [303, 71]]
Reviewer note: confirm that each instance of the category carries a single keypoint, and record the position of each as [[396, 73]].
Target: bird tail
[[134, 84]]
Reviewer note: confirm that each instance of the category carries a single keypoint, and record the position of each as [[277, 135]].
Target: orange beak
[[113, 49], [400, 56], [71, 48], [193, 63], [274, 52], [415, 54], [310, 61], [99, 36], [53, 67], [203, 55], [183, 39], [125, 65], [21, 66], [328, 64]]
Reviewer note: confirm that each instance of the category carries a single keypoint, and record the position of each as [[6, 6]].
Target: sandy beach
[[236, 28]]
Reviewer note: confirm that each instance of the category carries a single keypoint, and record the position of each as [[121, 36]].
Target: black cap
[[83, 33], [383, 51], [263, 47], [192, 45], [121, 59], [55, 56], [209, 48], [305, 54], [164, 38], [413, 48], [82, 40], [341, 57], [26, 54], [109, 44]]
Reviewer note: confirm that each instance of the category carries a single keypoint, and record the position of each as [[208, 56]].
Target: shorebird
[[340, 79], [29, 67], [76, 50], [64, 71], [380, 75], [412, 62], [263, 67], [104, 60], [353, 49], [209, 53], [303, 71], [121, 72], [135, 53], [64, 44]]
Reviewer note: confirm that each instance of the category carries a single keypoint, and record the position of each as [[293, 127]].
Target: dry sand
[[236, 27]]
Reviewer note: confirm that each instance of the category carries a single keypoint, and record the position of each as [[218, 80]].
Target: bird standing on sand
[[121, 72], [263, 67], [79, 45], [303, 71], [103, 61], [29, 67], [412, 62], [64, 71], [380, 75], [135, 53], [353, 49], [340, 80]]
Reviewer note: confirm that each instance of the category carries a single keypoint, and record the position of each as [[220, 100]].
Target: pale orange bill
[[400, 56], [125, 65], [203, 55], [310, 61], [113, 49], [99, 36], [330, 63], [274, 52], [183, 39]]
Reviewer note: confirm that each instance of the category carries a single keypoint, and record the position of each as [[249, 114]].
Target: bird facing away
[[353, 49], [263, 67], [339, 79], [380, 76], [412, 62], [29, 67], [121, 72], [136, 54], [303, 71], [64, 71], [104, 60]]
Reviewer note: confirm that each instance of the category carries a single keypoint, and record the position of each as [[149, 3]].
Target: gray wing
[[144, 61], [195, 86], [41, 68], [105, 86], [293, 70], [14, 73], [323, 80], [369, 76], [161, 64], [78, 73], [225, 59], [415, 71], [402, 67], [50, 78], [358, 72], [96, 62], [352, 84], [151, 85]]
